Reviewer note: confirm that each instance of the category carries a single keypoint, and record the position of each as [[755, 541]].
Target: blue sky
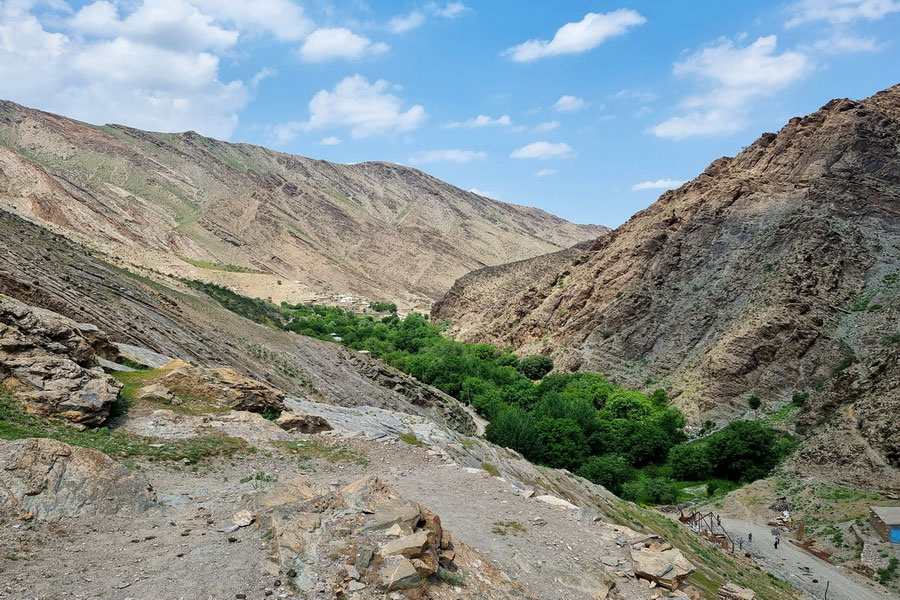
[[586, 109]]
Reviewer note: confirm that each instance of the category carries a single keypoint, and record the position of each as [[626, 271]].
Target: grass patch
[[307, 450], [411, 439], [504, 527], [16, 424], [449, 577], [204, 264], [494, 471]]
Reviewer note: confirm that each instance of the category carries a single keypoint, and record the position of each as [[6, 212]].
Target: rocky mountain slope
[[270, 224], [769, 274]]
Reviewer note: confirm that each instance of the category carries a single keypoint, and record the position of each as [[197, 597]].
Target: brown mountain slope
[[248, 217], [765, 275]]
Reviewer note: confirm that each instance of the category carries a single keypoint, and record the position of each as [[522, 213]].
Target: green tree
[[512, 427], [754, 402], [743, 451], [536, 366], [690, 462], [607, 470], [563, 444]]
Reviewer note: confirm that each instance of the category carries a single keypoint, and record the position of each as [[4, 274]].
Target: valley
[[248, 374]]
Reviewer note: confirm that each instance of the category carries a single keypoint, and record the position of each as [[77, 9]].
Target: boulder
[[401, 575], [389, 512], [410, 546], [302, 423], [53, 480], [732, 591], [48, 362], [156, 393], [667, 568], [220, 387]]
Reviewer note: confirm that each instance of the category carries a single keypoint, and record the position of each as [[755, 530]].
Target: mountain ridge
[[248, 217]]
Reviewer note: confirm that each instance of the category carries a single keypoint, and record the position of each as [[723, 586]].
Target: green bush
[[743, 451], [691, 462], [563, 444], [799, 399], [607, 470], [754, 402], [535, 367]]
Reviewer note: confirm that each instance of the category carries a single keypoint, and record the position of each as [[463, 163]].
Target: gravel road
[[790, 563]]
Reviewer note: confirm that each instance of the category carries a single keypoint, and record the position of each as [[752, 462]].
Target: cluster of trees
[[632, 443]]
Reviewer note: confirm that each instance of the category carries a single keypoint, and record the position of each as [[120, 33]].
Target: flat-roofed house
[[886, 521]]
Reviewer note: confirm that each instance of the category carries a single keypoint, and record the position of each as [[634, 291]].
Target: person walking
[[749, 537], [778, 539]]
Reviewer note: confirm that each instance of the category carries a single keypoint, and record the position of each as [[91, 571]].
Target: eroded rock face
[[52, 480], [47, 361], [221, 387], [364, 538], [756, 277]]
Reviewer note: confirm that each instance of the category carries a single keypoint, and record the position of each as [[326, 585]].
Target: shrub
[[563, 444], [799, 399], [514, 428], [690, 462], [608, 470], [535, 367], [743, 451], [754, 402]]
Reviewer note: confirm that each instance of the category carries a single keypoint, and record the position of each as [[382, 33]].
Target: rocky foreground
[[206, 499]]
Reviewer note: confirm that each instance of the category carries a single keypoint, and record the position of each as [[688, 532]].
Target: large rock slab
[[732, 591], [221, 387], [668, 568], [47, 361], [52, 480]]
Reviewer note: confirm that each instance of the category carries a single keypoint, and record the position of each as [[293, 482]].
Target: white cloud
[[544, 151], [546, 172], [282, 18], [569, 104], [480, 121], [451, 10], [139, 71], [659, 184], [367, 109], [573, 38], [331, 43], [730, 77], [841, 43], [491, 195], [404, 23], [172, 24], [262, 75], [451, 155], [546, 126], [331, 140], [417, 18], [638, 95], [841, 11]]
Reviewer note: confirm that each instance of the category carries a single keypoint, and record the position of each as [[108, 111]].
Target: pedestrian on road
[[778, 539], [749, 537], [740, 543]]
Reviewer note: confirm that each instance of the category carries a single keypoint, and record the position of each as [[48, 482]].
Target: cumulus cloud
[[730, 77], [450, 155], [480, 121], [574, 38], [544, 151], [546, 172], [156, 67], [331, 140], [841, 11], [338, 42], [367, 109], [659, 184], [842, 43], [486, 194], [417, 18], [546, 126], [282, 18], [569, 104]]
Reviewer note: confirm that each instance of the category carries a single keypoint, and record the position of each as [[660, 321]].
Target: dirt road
[[790, 563]]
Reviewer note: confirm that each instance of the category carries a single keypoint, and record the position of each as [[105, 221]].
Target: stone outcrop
[[51, 480], [221, 386], [365, 539], [303, 423], [47, 361], [660, 563], [732, 591]]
